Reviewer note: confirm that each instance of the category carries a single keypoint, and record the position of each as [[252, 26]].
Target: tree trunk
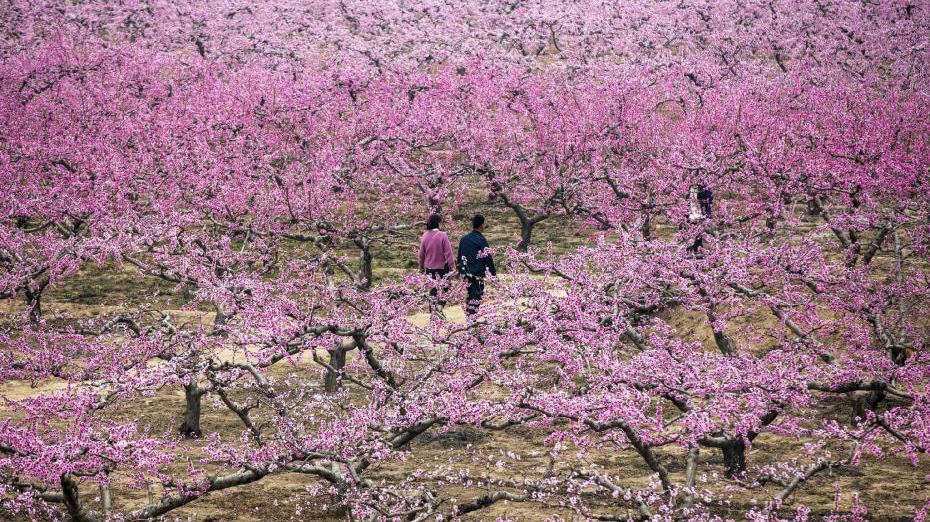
[[526, 229], [72, 501], [527, 222], [34, 303], [219, 321], [723, 342], [34, 298], [734, 458], [720, 336], [337, 360], [190, 427], [865, 403], [645, 228], [526, 234], [364, 264], [106, 501]]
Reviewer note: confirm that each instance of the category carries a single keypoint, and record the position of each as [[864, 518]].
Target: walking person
[[475, 263], [705, 198], [435, 257]]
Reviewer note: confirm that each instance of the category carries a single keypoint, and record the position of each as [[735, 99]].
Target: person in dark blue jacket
[[705, 198], [474, 263]]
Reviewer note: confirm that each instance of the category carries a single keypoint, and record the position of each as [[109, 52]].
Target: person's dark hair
[[433, 222], [477, 221]]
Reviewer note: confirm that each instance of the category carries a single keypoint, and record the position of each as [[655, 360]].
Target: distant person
[[694, 206], [474, 263], [436, 258], [705, 198], [700, 202]]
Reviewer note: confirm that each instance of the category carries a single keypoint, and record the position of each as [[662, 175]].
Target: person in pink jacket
[[436, 258]]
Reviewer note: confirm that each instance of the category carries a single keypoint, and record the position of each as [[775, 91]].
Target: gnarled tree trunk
[[190, 427], [337, 361], [72, 500], [364, 263], [734, 458], [526, 226], [864, 403]]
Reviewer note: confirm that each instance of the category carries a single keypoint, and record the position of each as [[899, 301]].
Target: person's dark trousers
[[475, 293], [437, 274]]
